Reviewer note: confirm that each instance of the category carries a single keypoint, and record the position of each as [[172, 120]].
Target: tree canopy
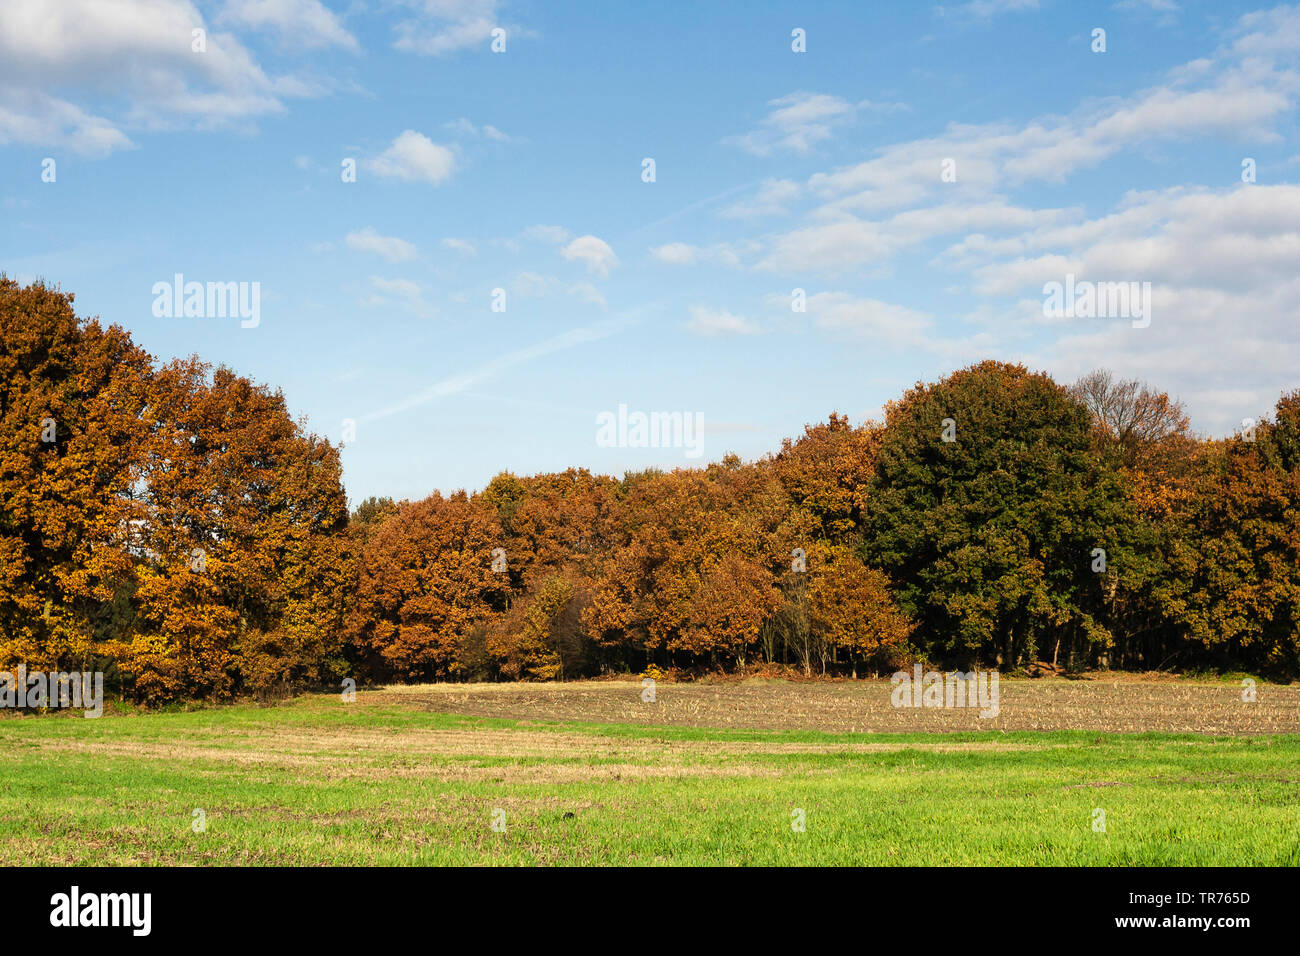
[[172, 524]]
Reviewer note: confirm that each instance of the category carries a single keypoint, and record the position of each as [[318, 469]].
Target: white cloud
[[439, 27], [405, 295], [677, 254], [531, 285], [1164, 7], [1223, 263], [1244, 92], [1228, 355], [1231, 97], [413, 157], [800, 120], [466, 246], [1244, 238], [835, 247], [915, 225], [587, 293], [685, 254], [713, 322], [467, 128], [35, 118], [131, 59], [1224, 268], [870, 319], [304, 24], [1267, 33], [552, 234], [985, 9], [770, 199], [595, 253], [405, 288], [390, 247]]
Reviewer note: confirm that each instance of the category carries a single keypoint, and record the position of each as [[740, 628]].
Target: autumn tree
[[241, 509], [425, 582], [372, 511], [852, 610], [681, 546], [1243, 606], [541, 636], [828, 472], [172, 521], [71, 394], [175, 525], [1144, 434], [735, 596], [1128, 413]]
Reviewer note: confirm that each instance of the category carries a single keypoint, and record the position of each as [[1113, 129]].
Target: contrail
[[691, 208], [565, 340]]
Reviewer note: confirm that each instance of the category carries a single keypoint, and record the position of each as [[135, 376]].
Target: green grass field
[[317, 782]]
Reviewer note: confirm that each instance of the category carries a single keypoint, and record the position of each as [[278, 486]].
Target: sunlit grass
[[315, 782]]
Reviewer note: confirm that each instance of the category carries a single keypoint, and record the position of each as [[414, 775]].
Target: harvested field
[[1118, 706]]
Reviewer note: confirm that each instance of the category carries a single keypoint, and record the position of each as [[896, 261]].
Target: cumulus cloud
[[870, 319], [984, 9], [552, 234], [685, 254], [36, 118], [390, 247], [1164, 8], [715, 322], [1238, 238], [587, 293], [405, 295], [466, 246], [440, 27], [870, 211], [677, 254], [593, 252], [121, 66], [531, 285], [401, 287], [799, 121], [770, 199], [304, 24], [1223, 262], [413, 157], [1224, 268], [827, 249], [467, 128]]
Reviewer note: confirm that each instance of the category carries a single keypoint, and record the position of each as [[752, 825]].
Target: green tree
[[990, 537]]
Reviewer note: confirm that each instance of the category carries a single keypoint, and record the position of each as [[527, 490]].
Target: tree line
[[172, 525]]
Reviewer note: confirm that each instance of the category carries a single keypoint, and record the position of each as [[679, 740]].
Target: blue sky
[[774, 170]]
